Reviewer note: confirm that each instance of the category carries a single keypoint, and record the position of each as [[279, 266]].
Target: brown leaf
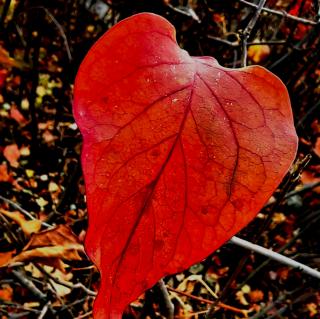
[[8, 62], [50, 246], [59, 235], [69, 252], [28, 226]]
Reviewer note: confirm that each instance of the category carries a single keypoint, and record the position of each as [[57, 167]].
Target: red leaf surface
[[179, 154]]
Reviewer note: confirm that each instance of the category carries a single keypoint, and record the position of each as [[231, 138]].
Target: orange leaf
[[4, 175], [12, 154], [6, 257], [6, 293], [16, 115]]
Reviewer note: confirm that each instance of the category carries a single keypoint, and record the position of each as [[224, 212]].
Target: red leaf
[[179, 154]]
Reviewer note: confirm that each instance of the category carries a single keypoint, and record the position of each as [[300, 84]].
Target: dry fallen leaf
[[5, 257], [7, 61], [50, 246], [6, 293], [28, 226]]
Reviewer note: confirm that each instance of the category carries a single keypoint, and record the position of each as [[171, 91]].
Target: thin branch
[[85, 315], [29, 285], [281, 250], [166, 298], [281, 13], [247, 31], [44, 310], [303, 189], [22, 210], [236, 44], [187, 11], [78, 285], [209, 302], [310, 111], [275, 256], [60, 29]]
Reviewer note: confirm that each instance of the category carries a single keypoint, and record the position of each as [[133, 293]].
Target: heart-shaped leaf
[[179, 154]]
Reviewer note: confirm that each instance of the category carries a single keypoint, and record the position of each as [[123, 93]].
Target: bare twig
[[281, 13], [281, 250], [59, 27], [85, 315], [66, 284], [10, 304], [22, 210], [166, 298], [310, 111], [44, 310], [187, 11], [236, 44], [29, 285], [275, 256], [305, 188], [247, 31], [5, 10], [209, 302]]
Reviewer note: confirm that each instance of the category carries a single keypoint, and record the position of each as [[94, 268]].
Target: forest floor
[[44, 272]]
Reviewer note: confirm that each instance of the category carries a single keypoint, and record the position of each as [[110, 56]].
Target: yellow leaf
[[41, 202], [258, 53]]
